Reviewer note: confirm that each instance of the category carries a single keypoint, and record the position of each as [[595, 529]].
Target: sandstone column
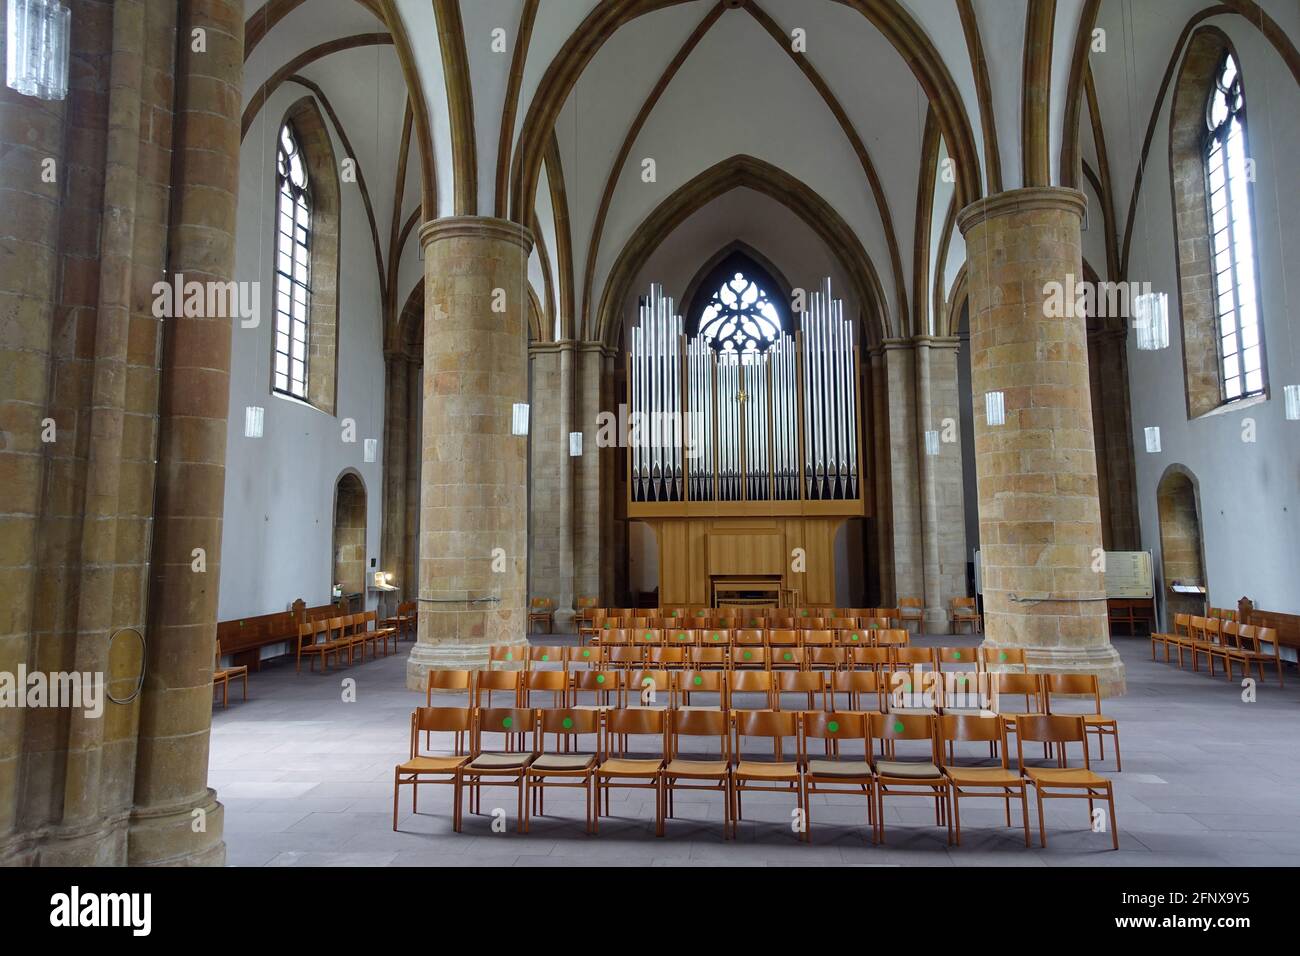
[[1039, 516], [904, 475], [589, 498], [176, 706], [392, 544], [411, 527], [943, 530], [473, 492], [564, 610]]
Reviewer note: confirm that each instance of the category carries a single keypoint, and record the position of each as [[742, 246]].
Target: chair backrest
[[571, 724], [447, 681], [913, 687], [912, 656], [748, 636], [894, 727], [614, 635], [743, 655], [506, 655], [962, 656], [857, 682], [552, 656], [715, 637], [644, 685], [586, 603], [599, 682], [1182, 623], [853, 637], [515, 726], [542, 603], [555, 682], [585, 656], [774, 725], [644, 729], [998, 656], [782, 637], [869, 657], [624, 655], [497, 681], [964, 605], [827, 658], [1050, 729], [892, 637], [1019, 685], [788, 658], [833, 725], [1268, 635], [1071, 685], [798, 682], [707, 656], [748, 682], [819, 637], [668, 656], [953, 728], [910, 602], [681, 637], [702, 682], [429, 720], [699, 723]]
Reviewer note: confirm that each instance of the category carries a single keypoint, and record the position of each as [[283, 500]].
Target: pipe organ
[[757, 442]]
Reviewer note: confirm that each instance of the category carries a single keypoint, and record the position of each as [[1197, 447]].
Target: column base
[[1103, 661], [934, 620], [449, 657], [564, 621], [166, 836]]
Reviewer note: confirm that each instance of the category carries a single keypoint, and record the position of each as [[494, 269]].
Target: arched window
[[292, 266], [1232, 235], [737, 305]]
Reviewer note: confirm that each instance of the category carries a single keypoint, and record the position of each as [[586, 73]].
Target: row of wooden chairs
[[768, 656], [222, 676], [1226, 641], [896, 689], [752, 637], [332, 637], [592, 752]]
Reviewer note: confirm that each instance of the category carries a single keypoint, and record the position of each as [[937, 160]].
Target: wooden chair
[[543, 657], [715, 637], [316, 640], [486, 683], [508, 766], [853, 637], [1205, 638], [998, 782], [649, 688], [869, 658], [1248, 649], [640, 769], [622, 656], [1000, 657], [681, 637], [750, 682], [448, 682], [693, 773], [893, 615], [827, 658], [507, 657], [589, 624], [863, 690], [587, 656], [707, 656], [910, 611], [812, 684], [1062, 781], [749, 657], [964, 611], [438, 768], [668, 658], [965, 658], [769, 775], [836, 772], [694, 681], [556, 683], [908, 778], [606, 685], [647, 636], [891, 637], [407, 616], [1085, 685], [541, 610], [569, 766], [224, 675]]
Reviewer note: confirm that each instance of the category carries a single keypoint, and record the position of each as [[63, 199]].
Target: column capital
[[1021, 200], [476, 227], [937, 341]]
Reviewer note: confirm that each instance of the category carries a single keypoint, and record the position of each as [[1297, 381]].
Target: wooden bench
[[1131, 612], [242, 639], [1287, 626]]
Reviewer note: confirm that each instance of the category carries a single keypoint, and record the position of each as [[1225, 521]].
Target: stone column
[[1108, 360], [884, 519], [589, 499], [564, 610], [943, 531], [904, 474], [392, 545], [473, 491], [414, 371], [1039, 516], [176, 705]]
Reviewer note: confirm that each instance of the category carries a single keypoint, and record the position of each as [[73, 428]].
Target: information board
[[1128, 574]]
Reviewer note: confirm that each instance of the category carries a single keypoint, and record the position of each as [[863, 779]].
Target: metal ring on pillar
[[139, 684]]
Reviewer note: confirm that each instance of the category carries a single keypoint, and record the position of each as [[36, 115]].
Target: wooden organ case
[[746, 464]]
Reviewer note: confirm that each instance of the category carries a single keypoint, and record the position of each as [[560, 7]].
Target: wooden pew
[[243, 638], [1286, 625]]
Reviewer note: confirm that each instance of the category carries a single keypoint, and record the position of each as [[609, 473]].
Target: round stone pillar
[[473, 480], [1040, 521]]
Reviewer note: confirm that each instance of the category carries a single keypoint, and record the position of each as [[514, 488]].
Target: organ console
[[746, 462]]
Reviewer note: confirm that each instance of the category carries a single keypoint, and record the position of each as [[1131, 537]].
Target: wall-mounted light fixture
[[37, 48], [575, 444], [995, 408], [519, 419], [932, 443], [1151, 321], [1152, 433], [253, 420], [371, 452], [1291, 394]]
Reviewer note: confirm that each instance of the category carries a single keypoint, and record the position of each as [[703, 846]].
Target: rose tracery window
[[740, 319]]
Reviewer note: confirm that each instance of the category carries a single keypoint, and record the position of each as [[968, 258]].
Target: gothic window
[[292, 266], [740, 318]]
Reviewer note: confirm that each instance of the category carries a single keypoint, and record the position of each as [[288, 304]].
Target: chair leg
[[1114, 826], [1042, 824], [396, 780], [1024, 811], [954, 796]]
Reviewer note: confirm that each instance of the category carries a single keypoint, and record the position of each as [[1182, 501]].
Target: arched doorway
[[1181, 548], [350, 538]]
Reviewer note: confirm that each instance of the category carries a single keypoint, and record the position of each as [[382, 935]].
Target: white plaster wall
[[277, 540], [1249, 492]]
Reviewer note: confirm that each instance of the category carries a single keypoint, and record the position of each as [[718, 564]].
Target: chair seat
[[1099, 719], [500, 762], [903, 768], [563, 762], [228, 672], [839, 768], [431, 764], [713, 707], [1057, 777], [982, 776], [767, 771], [970, 711], [696, 768], [913, 711], [631, 767]]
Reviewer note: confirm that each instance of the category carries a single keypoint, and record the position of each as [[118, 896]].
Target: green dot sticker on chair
[[874, 625], [898, 727], [546, 657], [586, 653], [681, 637], [961, 680], [803, 613], [600, 678], [647, 635], [907, 686], [833, 726], [749, 655], [753, 622], [698, 680], [956, 655], [607, 625], [510, 655], [788, 656], [566, 723], [1002, 656], [853, 637], [507, 721], [717, 636]]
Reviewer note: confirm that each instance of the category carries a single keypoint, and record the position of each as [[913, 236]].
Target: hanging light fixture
[[995, 408], [575, 444], [1291, 394], [253, 416], [932, 443], [1152, 433], [1151, 321], [519, 419], [37, 48]]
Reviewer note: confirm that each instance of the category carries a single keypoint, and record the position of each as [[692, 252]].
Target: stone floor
[[306, 780]]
